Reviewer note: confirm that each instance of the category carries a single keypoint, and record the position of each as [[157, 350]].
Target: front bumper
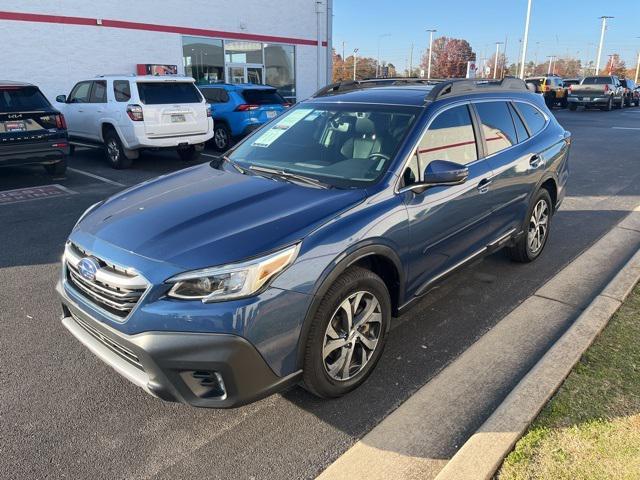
[[199, 369]]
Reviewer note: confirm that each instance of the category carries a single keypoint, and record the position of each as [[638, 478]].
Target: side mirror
[[444, 172], [61, 99]]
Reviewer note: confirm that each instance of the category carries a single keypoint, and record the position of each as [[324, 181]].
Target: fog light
[[205, 383]]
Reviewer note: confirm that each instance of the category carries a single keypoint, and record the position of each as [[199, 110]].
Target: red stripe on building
[[151, 27]]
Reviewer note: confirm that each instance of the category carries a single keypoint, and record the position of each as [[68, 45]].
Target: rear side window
[[215, 95], [80, 93], [22, 99], [497, 125], [450, 137], [521, 130], [160, 93], [263, 97], [122, 90], [99, 92], [532, 116]]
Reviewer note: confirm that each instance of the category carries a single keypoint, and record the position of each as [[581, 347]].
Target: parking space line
[[65, 189], [97, 177], [626, 128]]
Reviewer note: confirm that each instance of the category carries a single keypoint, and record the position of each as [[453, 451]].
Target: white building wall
[[55, 56]]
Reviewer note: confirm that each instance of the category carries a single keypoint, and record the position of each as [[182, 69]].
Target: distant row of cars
[[126, 114], [599, 91]]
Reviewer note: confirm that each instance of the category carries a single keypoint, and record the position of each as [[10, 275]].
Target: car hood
[[202, 216]]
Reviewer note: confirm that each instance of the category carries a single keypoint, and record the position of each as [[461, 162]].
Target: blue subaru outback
[[239, 109], [284, 262]]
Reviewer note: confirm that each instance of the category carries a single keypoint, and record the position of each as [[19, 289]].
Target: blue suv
[[283, 262], [239, 109]]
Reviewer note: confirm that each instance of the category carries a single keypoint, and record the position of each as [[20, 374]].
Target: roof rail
[[349, 85], [462, 86]]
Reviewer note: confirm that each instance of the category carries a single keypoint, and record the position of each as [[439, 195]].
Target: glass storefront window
[[280, 71], [242, 52], [203, 59]]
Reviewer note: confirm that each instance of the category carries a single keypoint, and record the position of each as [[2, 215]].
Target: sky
[[558, 27]]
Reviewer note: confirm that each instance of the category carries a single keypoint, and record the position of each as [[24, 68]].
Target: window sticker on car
[[273, 133]]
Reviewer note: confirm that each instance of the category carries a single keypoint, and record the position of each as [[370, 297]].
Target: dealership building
[[55, 43]]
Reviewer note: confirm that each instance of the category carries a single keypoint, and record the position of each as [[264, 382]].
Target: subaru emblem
[[88, 268]]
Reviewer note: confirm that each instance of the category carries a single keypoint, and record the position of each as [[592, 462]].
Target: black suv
[[31, 130]]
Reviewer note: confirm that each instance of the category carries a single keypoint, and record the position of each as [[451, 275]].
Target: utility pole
[[551, 59], [525, 40], [431, 32], [343, 60], [611, 63], [378, 57], [495, 65], [411, 61], [355, 62], [504, 64], [604, 28]]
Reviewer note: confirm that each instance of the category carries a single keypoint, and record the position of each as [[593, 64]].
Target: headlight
[[88, 211], [231, 281]]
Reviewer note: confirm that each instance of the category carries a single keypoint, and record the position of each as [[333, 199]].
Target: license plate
[[177, 118], [271, 113], [15, 126]]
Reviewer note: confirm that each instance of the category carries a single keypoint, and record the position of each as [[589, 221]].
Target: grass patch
[[591, 427]]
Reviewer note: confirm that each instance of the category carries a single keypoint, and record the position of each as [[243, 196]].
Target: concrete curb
[[481, 456]]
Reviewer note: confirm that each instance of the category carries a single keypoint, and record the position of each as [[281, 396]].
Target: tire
[[609, 105], [573, 107], [56, 169], [329, 375], [564, 102], [549, 102], [623, 103], [525, 250], [115, 152], [190, 154], [221, 137]]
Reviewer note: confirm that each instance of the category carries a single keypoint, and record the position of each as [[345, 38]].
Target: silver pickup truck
[[602, 92]]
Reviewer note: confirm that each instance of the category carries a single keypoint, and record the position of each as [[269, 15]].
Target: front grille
[[114, 289], [115, 347]]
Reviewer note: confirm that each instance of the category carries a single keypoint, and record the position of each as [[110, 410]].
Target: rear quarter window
[[534, 118], [122, 90], [22, 99], [215, 95], [160, 93]]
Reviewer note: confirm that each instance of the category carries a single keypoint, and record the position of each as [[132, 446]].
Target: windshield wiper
[[290, 176]]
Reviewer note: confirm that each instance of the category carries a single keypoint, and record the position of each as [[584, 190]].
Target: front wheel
[[347, 334], [536, 232]]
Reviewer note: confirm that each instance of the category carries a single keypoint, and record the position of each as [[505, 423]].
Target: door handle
[[535, 161], [483, 186]]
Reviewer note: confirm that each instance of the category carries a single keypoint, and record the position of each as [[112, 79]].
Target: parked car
[[284, 261], [239, 109], [598, 91], [128, 113], [631, 94], [552, 89], [32, 132]]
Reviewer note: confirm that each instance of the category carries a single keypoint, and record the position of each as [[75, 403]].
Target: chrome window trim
[[397, 188]]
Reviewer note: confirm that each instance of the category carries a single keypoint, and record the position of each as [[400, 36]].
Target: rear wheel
[[56, 169], [115, 152], [573, 107], [609, 106], [348, 334], [221, 137], [564, 102], [536, 231]]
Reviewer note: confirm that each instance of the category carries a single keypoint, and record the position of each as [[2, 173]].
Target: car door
[[517, 156], [448, 224], [75, 109], [95, 109]]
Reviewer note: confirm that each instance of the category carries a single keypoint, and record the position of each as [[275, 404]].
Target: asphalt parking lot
[[63, 414]]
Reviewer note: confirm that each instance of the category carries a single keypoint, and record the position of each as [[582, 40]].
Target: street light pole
[[525, 39], [431, 32], [550, 57], [638, 66], [604, 27], [495, 64], [355, 62]]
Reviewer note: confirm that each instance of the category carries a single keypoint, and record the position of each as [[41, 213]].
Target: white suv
[[130, 113]]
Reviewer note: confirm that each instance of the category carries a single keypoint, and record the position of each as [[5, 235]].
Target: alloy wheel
[[352, 335], [220, 138], [113, 150], [538, 226]]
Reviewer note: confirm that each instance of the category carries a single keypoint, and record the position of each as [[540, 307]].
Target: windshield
[[343, 145], [597, 81]]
